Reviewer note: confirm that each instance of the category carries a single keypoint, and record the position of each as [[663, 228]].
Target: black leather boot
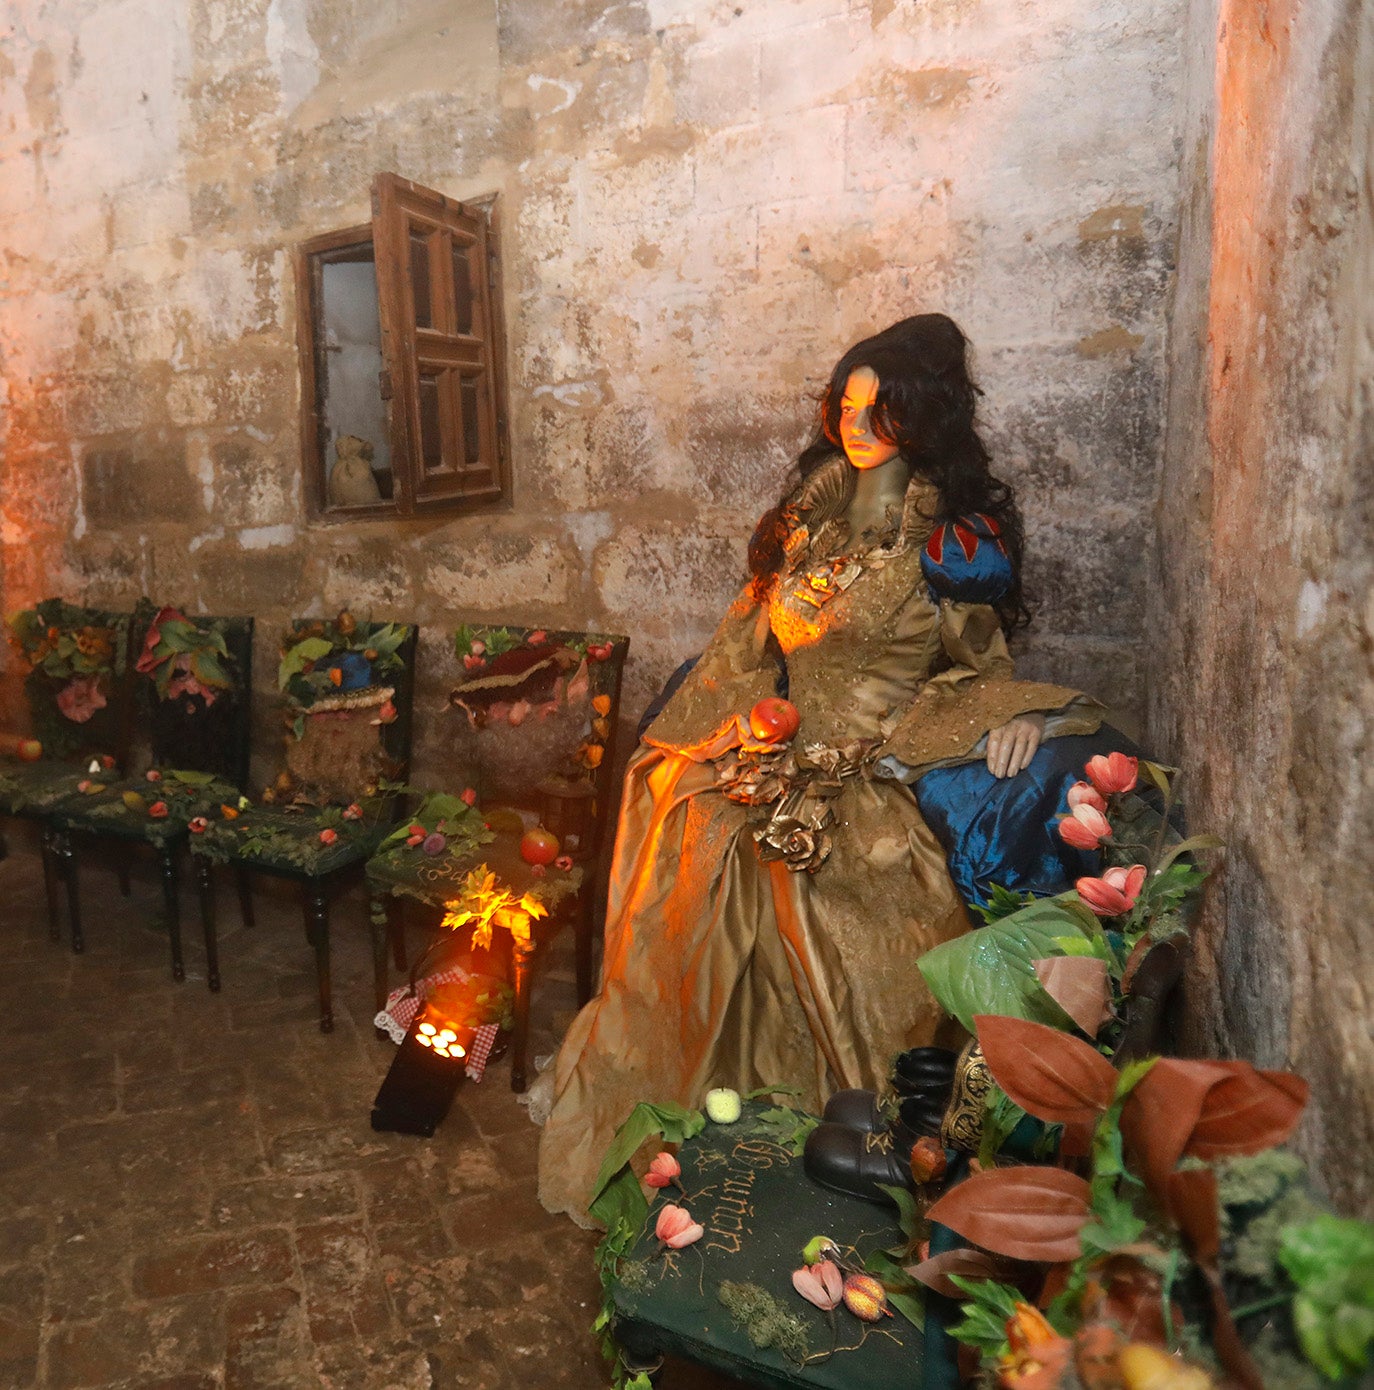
[[925, 1073], [861, 1162]]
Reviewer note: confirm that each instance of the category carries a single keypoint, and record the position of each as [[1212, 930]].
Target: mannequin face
[[862, 447]]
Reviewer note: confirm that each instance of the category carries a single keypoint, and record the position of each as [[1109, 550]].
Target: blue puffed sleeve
[[966, 560]]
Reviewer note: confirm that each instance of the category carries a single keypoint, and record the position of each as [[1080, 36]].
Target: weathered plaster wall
[[1263, 610], [704, 203]]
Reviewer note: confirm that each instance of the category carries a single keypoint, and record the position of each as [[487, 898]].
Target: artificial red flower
[[662, 1170], [80, 698], [675, 1227], [1115, 892], [158, 810], [1085, 794], [477, 647], [328, 836], [468, 797], [820, 1283], [474, 663], [198, 825], [1085, 828], [353, 812], [537, 638], [106, 761], [1113, 773], [1039, 1358], [387, 714], [564, 863], [538, 870], [413, 840]]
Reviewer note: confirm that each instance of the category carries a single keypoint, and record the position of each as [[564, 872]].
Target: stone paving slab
[[191, 1196]]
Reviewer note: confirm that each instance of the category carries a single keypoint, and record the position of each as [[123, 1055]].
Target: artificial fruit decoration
[[774, 720], [539, 846], [866, 1298], [723, 1106]]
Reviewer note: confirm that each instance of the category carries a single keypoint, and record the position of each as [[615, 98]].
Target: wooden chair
[[536, 729], [348, 695], [193, 689], [78, 694]]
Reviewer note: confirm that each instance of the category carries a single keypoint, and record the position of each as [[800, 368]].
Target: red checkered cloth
[[403, 1004]]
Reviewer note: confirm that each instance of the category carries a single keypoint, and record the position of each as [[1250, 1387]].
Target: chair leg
[[317, 933], [521, 960], [245, 886], [171, 897], [125, 887], [397, 932], [583, 927], [379, 924], [205, 883], [50, 885], [66, 859]]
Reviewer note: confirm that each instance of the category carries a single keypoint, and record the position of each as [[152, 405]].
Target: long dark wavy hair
[[925, 405]]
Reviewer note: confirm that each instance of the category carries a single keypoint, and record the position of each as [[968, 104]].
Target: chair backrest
[[194, 684], [540, 709], [347, 731], [78, 688]]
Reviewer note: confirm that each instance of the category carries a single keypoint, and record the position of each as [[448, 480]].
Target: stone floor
[[191, 1195]]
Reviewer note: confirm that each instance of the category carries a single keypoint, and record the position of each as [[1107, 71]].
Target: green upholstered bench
[[759, 1210]]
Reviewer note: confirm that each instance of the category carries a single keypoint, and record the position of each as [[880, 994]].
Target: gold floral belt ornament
[[794, 797]]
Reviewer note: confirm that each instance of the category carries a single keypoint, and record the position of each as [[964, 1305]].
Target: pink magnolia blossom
[[820, 1283], [1085, 828], [1113, 773], [80, 698], [662, 1170], [675, 1227], [1085, 794], [1114, 893]]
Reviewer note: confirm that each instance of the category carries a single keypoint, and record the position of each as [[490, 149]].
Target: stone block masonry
[[703, 204]]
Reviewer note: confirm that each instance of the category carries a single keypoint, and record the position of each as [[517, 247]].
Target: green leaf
[[611, 1199], [190, 778], [309, 649], [206, 668], [1191, 845], [985, 1315], [1002, 902], [1331, 1261], [903, 1292], [992, 970]]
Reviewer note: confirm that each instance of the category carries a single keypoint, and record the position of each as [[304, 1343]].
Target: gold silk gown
[[722, 969]]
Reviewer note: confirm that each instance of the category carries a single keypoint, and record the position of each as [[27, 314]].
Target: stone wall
[[1263, 608], [703, 204]]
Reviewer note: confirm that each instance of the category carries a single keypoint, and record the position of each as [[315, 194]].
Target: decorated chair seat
[[347, 691], [193, 689], [537, 713], [77, 691]]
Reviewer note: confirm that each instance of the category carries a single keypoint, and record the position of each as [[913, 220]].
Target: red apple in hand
[[774, 720], [539, 846]]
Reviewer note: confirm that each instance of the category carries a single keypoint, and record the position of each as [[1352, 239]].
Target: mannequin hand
[[1012, 746]]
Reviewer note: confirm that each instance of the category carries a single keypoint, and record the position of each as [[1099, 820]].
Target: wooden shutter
[[440, 346]]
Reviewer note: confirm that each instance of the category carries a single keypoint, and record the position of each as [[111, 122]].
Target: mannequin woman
[[768, 903]]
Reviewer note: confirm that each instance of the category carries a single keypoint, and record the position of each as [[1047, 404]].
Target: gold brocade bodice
[[857, 626]]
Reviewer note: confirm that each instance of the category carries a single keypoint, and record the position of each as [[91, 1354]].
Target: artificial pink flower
[[185, 682], [468, 797], [563, 863], [675, 1227], [153, 775], [1113, 773], [474, 663], [477, 647], [820, 1283], [387, 714], [1085, 828], [353, 811], [1085, 794], [198, 825], [1114, 893], [84, 785], [80, 698], [518, 713], [662, 1170], [328, 836], [538, 870]]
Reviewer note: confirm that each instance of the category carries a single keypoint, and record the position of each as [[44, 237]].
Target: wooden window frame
[[455, 482]]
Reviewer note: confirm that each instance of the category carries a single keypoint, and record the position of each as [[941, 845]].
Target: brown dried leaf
[[1024, 1213], [1047, 1073], [1078, 984], [1192, 1196], [1160, 1113], [1247, 1112], [967, 1264]]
